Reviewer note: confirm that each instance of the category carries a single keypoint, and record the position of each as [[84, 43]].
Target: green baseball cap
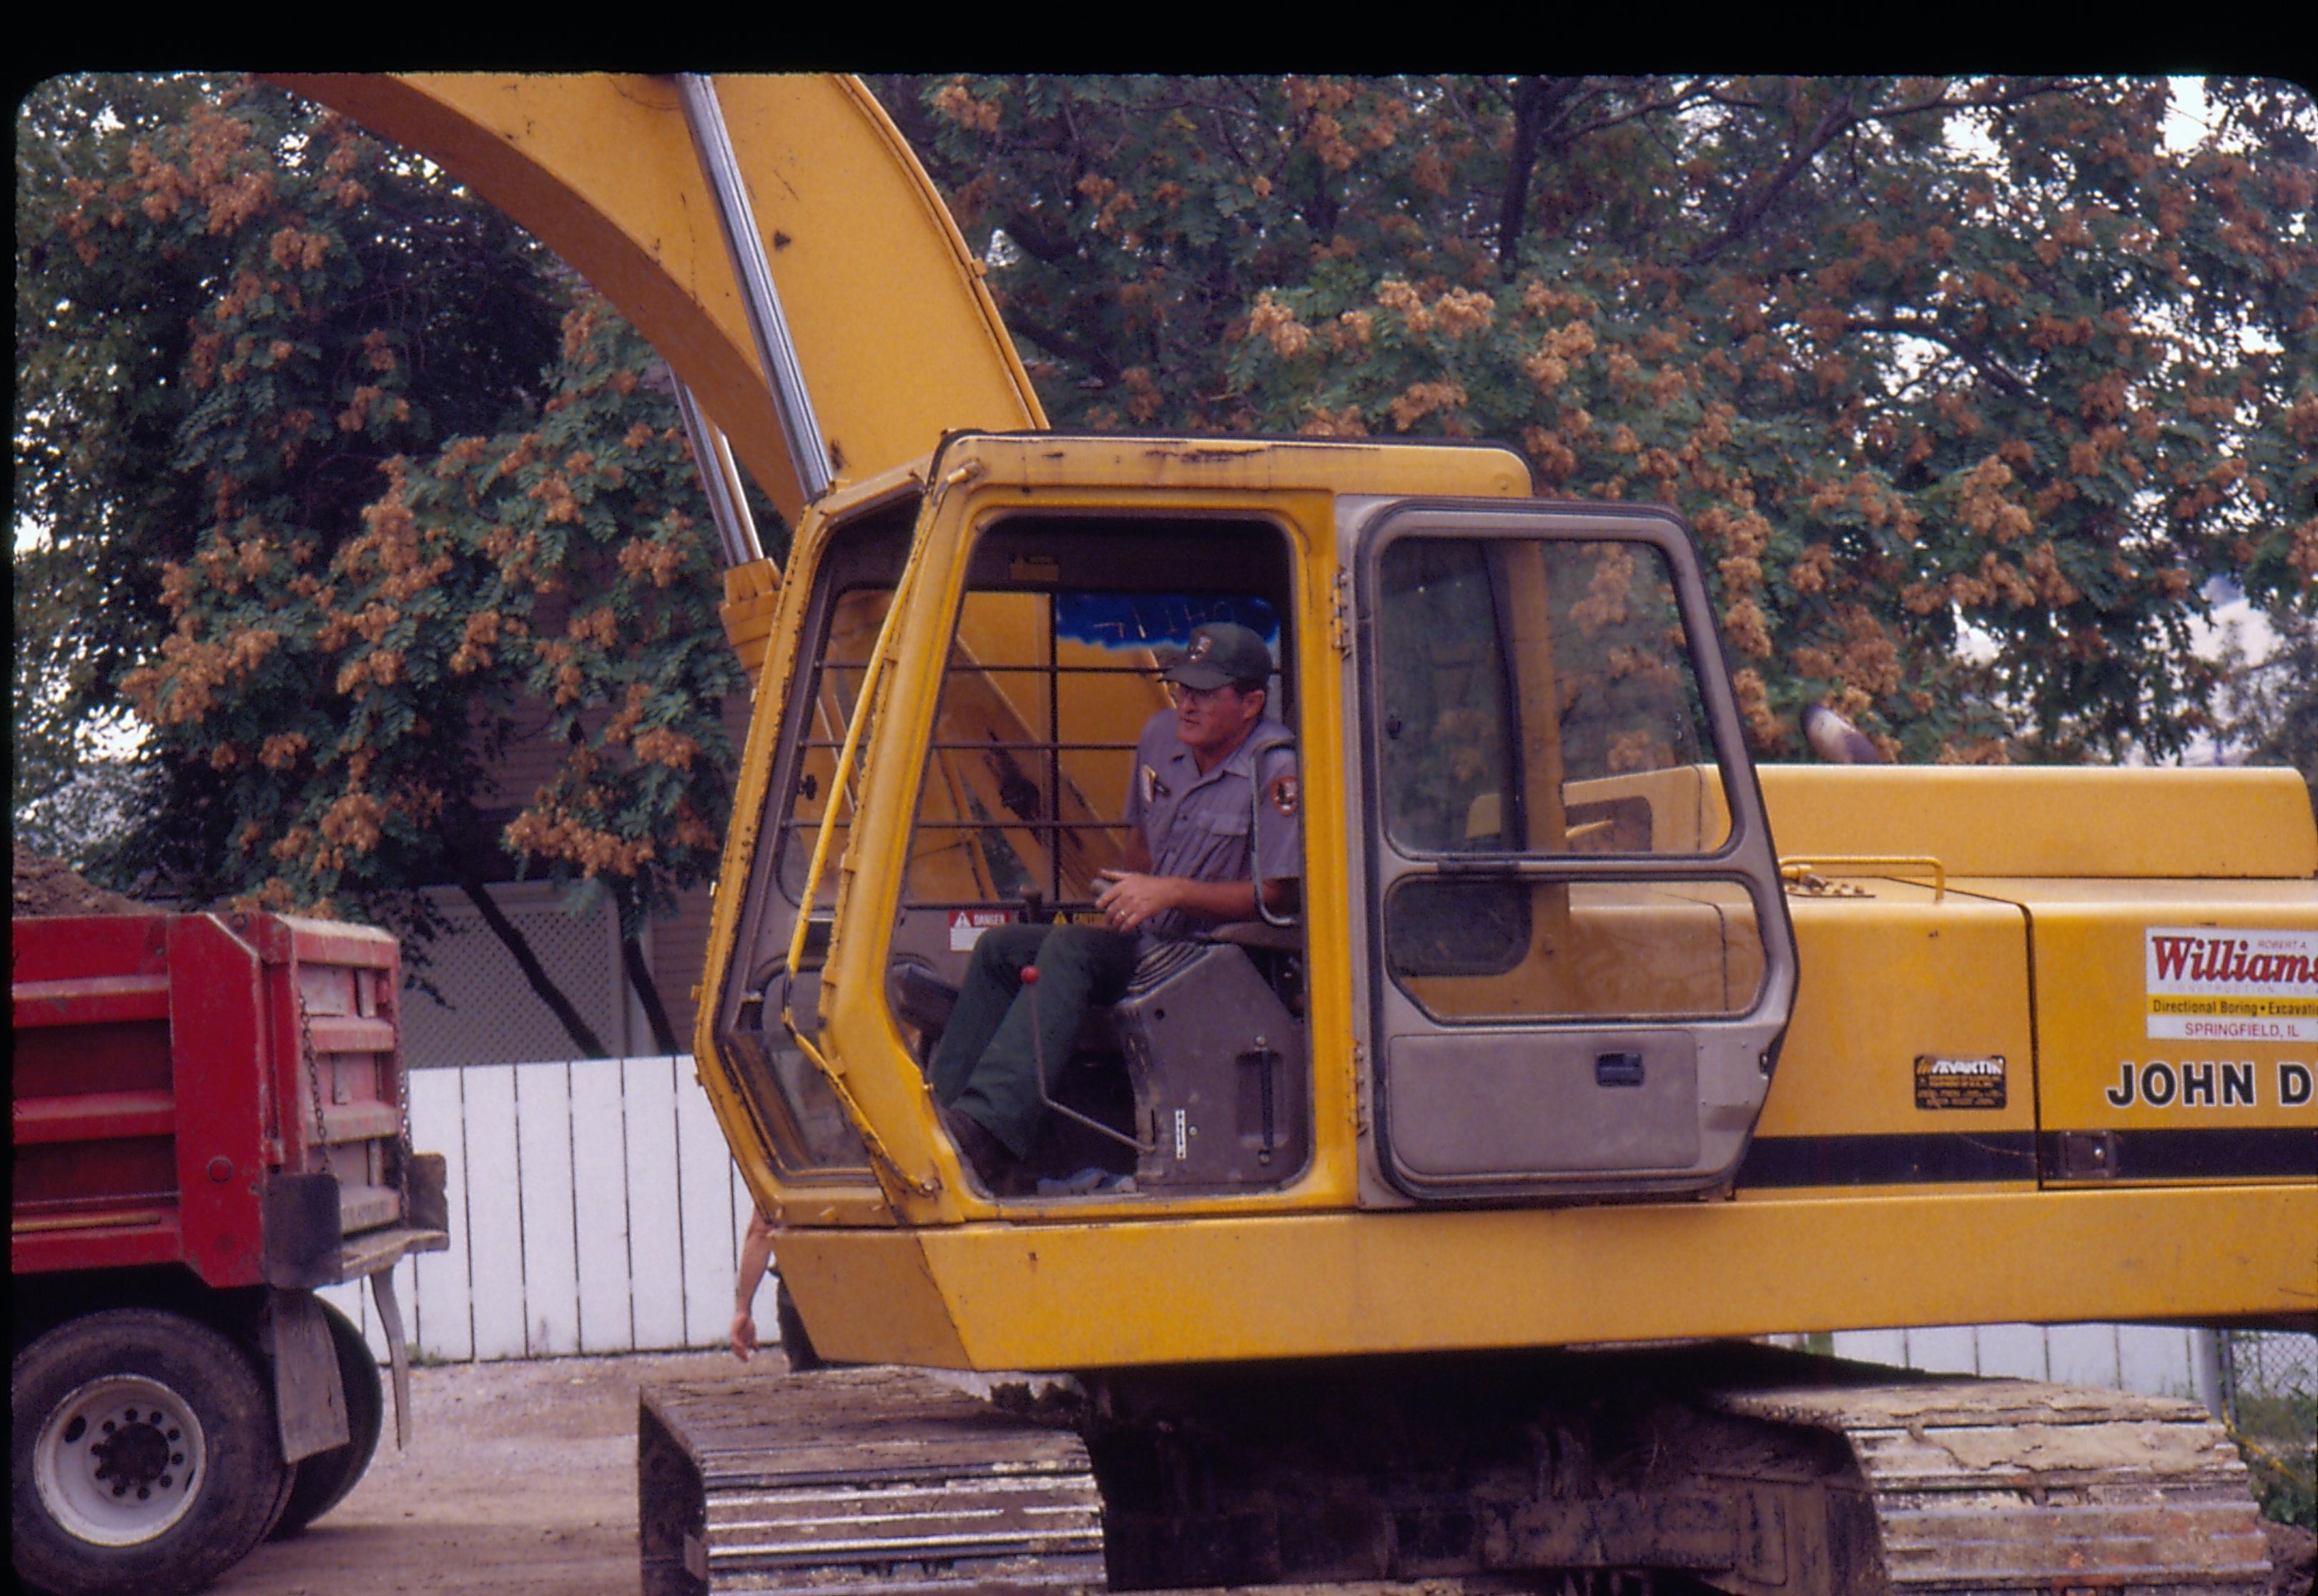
[[1221, 652]]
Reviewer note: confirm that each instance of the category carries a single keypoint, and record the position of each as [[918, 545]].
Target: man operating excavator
[[1214, 793]]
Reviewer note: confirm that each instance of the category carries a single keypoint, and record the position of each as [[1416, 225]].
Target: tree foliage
[[1974, 388], [1971, 388], [353, 490]]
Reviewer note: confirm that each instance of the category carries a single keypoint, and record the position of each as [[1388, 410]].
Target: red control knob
[[1029, 975]]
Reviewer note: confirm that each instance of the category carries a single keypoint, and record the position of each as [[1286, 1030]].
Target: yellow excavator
[[1431, 1230]]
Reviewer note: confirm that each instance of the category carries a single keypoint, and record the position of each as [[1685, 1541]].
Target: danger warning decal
[[967, 926], [2232, 985]]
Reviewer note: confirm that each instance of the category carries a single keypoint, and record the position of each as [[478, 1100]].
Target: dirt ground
[[521, 1480]]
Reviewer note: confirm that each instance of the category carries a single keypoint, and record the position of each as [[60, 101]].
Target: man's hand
[[756, 1256], [1132, 897]]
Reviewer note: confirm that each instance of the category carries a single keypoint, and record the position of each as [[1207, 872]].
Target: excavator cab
[[1537, 895], [1197, 1079]]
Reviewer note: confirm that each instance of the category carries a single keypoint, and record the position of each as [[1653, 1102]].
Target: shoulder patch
[[1283, 793]]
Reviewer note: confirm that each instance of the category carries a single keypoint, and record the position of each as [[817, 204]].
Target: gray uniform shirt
[[1196, 825]]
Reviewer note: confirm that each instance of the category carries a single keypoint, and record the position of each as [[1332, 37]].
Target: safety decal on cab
[[967, 926], [2208, 983], [1959, 1083]]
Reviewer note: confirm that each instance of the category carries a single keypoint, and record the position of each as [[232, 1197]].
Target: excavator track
[[1735, 1468], [872, 1480], [1988, 1486]]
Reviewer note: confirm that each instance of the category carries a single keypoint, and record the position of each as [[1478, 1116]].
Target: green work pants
[[986, 1064]]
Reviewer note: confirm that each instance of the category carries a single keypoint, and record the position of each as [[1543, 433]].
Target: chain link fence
[[2269, 1392]]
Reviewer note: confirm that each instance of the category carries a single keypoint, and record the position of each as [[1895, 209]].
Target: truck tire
[[324, 1479], [143, 1456]]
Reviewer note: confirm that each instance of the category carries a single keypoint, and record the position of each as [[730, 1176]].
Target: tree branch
[[1980, 360], [1096, 355], [647, 990], [1535, 99], [1839, 117], [543, 986]]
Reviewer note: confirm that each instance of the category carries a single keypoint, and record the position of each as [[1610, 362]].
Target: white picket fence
[[2161, 1359], [595, 1209]]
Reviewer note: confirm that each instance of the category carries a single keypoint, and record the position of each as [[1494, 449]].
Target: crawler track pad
[[878, 1480]]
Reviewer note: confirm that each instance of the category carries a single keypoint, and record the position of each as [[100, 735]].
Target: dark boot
[[996, 1168]]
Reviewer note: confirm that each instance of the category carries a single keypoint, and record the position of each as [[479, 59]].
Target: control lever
[[1038, 1057]]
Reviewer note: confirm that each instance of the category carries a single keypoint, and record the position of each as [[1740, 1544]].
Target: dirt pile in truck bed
[[44, 886]]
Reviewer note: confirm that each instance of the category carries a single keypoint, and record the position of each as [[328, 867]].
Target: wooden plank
[[2082, 1354], [495, 1211], [1880, 1345], [2016, 1349], [600, 1198], [442, 1295], [704, 1167], [551, 1268], [1947, 1348], [655, 1228], [2155, 1358]]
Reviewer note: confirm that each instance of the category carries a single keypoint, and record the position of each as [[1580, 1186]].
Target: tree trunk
[[639, 977], [542, 984]]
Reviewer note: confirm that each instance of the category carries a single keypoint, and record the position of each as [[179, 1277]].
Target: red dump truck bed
[[223, 1092], [207, 1118]]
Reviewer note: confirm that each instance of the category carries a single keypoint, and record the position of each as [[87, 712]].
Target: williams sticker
[[1959, 1083], [2212, 984]]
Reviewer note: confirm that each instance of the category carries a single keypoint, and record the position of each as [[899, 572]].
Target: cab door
[[1579, 960]]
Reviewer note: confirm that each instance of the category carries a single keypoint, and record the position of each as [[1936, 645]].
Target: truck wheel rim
[[118, 1459]]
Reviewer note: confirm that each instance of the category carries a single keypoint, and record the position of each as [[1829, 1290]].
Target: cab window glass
[[1043, 697], [1537, 697], [837, 669]]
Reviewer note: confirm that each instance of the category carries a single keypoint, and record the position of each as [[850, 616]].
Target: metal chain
[[313, 1072], [390, 1009]]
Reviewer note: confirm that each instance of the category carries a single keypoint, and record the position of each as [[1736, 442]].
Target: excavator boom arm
[[898, 339]]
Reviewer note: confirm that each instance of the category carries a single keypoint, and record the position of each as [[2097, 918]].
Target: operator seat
[[1215, 1059]]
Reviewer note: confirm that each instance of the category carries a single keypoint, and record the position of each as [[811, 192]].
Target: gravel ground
[[520, 1480]]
